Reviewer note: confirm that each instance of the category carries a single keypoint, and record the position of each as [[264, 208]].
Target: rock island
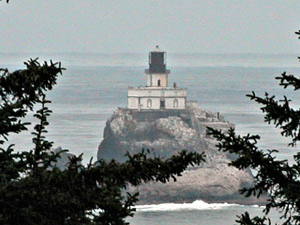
[[160, 119]]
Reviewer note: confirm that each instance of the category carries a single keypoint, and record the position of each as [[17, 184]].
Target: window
[[149, 103], [158, 83], [175, 103], [162, 104]]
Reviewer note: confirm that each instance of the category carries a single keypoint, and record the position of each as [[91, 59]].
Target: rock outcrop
[[165, 133], [63, 160]]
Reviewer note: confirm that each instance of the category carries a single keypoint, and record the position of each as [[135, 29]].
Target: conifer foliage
[[34, 191], [279, 178]]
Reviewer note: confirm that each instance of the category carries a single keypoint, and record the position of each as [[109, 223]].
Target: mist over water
[[94, 85], [141, 59]]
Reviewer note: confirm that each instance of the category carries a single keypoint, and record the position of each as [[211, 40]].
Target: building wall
[[152, 80], [150, 102], [157, 92], [150, 98], [175, 103], [133, 103]]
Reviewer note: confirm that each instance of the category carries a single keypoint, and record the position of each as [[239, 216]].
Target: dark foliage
[[32, 191], [278, 178]]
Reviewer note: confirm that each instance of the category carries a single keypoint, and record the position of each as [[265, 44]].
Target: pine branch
[[41, 144]]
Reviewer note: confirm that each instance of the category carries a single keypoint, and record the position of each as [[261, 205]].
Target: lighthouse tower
[[157, 74], [157, 95]]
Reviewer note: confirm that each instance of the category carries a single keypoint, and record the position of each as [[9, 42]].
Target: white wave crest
[[196, 205]]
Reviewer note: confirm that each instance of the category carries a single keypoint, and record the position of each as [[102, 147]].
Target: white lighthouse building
[[157, 95]]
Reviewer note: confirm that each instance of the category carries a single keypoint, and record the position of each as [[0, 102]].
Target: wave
[[196, 205]]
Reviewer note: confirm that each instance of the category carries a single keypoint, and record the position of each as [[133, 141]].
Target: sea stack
[[160, 118]]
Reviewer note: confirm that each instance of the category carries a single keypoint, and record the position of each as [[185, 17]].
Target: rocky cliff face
[[165, 133]]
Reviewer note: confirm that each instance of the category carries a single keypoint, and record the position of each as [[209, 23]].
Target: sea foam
[[196, 205]]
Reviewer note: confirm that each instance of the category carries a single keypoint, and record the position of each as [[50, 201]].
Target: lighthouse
[[157, 95], [157, 74]]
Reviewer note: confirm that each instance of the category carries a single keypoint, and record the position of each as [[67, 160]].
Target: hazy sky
[[105, 26]]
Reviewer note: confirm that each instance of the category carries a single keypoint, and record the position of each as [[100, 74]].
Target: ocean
[[94, 85]]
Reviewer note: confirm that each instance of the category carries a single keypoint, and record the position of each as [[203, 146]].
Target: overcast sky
[[109, 26]]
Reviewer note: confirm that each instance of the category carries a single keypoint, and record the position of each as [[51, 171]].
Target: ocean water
[[197, 212], [94, 85]]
